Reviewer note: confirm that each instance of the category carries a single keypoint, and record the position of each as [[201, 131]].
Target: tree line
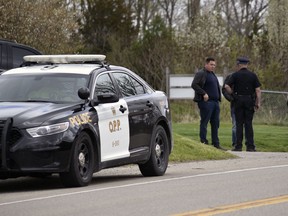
[[149, 36]]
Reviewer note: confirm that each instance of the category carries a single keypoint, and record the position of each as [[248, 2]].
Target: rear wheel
[[82, 163], [158, 162]]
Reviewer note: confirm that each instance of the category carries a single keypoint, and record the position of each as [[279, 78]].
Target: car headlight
[[48, 130]]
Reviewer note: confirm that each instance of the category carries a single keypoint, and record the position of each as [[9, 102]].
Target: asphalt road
[[254, 184]]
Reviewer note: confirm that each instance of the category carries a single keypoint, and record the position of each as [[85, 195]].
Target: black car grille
[[2, 123], [12, 137]]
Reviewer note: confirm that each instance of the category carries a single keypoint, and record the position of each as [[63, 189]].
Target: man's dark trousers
[[244, 111], [209, 110]]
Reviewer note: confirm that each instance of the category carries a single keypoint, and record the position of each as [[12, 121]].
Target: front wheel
[[82, 163], [158, 162]]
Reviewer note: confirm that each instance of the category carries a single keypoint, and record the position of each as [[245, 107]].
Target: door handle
[[122, 109], [149, 104]]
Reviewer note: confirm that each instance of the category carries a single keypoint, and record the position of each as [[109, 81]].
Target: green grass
[[186, 149], [268, 138]]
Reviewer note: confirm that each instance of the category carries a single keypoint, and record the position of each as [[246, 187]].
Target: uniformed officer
[[230, 98], [247, 95]]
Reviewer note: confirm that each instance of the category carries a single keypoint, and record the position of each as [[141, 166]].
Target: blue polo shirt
[[211, 86]]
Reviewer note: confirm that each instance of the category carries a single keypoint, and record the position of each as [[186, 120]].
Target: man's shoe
[[236, 149], [220, 148], [251, 150], [204, 142]]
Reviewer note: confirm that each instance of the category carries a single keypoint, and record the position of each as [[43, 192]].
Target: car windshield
[[57, 88]]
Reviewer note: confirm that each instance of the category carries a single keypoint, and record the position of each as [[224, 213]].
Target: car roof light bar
[[64, 59]]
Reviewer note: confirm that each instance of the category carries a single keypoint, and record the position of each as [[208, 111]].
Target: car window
[[18, 54], [138, 86], [42, 87], [0, 56], [128, 85], [104, 85]]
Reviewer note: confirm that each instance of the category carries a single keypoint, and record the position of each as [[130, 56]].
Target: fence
[[274, 104], [274, 108]]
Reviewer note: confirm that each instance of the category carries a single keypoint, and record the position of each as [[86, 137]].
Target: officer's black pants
[[244, 111]]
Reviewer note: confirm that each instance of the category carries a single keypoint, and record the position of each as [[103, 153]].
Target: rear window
[[18, 53]]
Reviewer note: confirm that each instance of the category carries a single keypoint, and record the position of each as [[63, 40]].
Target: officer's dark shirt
[[211, 86], [244, 82]]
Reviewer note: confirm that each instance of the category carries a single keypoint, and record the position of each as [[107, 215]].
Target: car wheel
[[82, 163], [158, 162]]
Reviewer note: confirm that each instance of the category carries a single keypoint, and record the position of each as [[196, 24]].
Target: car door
[[113, 122], [140, 110]]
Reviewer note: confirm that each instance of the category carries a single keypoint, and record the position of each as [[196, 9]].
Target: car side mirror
[[106, 98], [84, 93]]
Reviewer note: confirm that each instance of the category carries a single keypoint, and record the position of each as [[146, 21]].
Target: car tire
[[82, 163], [159, 156]]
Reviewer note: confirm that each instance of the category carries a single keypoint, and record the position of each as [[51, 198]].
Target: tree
[[169, 8], [206, 37], [193, 10], [103, 19], [245, 17], [145, 11], [151, 55], [45, 25], [277, 21]]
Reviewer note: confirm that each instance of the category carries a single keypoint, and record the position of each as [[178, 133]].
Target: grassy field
[[268, 138], [270, 132]]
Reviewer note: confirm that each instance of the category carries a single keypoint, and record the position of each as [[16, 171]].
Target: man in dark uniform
[[208, 95], [247, 95], [230, 98]]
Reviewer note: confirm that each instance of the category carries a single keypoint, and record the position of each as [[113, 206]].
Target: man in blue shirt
[[208, 95]]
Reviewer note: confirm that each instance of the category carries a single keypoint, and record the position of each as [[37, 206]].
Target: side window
[[18, 54], [104, 85], [128, 85], [0, 57], [138, 86]]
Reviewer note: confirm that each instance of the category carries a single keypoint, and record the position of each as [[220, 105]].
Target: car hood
[[32, 114]]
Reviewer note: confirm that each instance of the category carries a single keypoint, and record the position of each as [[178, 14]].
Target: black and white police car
[[75, 115]]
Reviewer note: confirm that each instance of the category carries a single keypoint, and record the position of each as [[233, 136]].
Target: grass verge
[[188, 148]]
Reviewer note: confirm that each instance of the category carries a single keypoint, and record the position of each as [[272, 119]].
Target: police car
[[75, 115]]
